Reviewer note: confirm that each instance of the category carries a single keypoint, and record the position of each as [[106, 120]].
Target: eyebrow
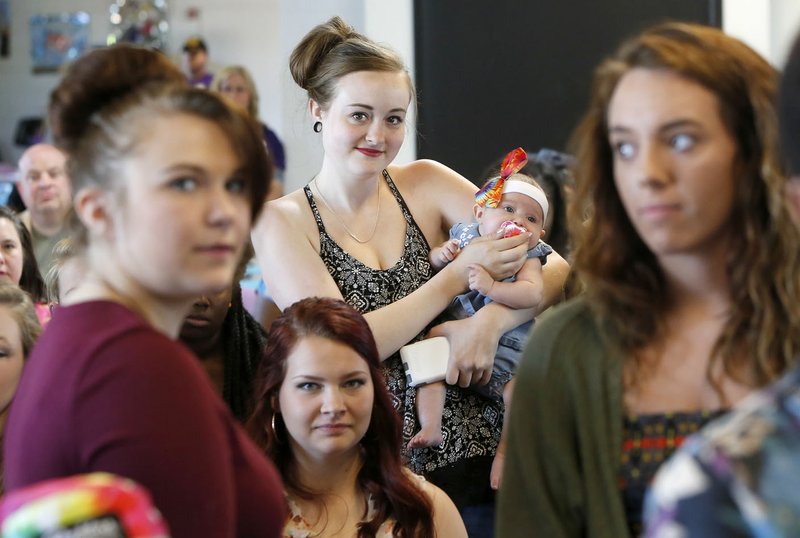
[[318, 378], [202, 172], [368, 107], [682, 122], [181, 167]]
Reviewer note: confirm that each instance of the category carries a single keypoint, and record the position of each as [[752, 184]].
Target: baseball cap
[[194, 44]]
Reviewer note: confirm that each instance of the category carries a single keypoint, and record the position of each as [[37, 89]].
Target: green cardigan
[[565, 433]]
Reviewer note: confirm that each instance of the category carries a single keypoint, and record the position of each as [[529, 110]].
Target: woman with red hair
[[324, 416]]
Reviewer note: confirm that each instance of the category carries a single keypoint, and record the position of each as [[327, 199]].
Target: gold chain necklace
[[350, 233]]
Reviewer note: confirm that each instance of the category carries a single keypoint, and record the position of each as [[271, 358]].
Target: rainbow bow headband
[[490, 194]]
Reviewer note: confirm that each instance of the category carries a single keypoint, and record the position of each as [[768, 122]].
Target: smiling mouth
[[370, 152]]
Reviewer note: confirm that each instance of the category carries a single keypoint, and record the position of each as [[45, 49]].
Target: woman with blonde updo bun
[[167, 182], [361, 231]]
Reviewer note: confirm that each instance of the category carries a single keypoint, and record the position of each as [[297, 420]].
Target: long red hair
[[382, 477]]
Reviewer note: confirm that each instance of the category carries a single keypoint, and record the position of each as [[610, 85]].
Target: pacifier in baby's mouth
[[510, 229]]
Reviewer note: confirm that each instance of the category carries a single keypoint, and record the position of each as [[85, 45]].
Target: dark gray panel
[[495, 75]]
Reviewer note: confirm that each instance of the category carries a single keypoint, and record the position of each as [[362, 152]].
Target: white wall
[[769, 26], [785, 23]]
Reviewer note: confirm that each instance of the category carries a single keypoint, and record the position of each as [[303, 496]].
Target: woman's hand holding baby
[[500, 257]]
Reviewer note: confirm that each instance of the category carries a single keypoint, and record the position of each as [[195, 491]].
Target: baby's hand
[[448, 252], [480, 280]]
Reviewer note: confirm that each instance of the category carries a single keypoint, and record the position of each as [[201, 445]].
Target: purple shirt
[[203, 81]]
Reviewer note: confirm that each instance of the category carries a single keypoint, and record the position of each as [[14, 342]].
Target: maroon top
[[104, 391]]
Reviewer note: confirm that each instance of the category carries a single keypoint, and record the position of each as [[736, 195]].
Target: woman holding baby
[[361, 230]]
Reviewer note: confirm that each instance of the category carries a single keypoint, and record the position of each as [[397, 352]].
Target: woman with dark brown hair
[[326, 419], [229, 343], [690, 265], [168, 180], [16, 239], [18, 265]]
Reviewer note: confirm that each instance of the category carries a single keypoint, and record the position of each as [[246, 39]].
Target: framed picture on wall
[[57, 39], [142, 22]]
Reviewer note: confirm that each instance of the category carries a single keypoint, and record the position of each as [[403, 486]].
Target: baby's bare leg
[[430, 406], [496, 475]]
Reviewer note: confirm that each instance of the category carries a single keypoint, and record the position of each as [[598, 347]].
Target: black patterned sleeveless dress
[[471, 424]]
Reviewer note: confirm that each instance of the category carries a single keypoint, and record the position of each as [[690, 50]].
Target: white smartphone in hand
[[426, 361]]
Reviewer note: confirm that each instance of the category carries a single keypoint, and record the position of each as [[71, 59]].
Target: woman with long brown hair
[[690, 265]]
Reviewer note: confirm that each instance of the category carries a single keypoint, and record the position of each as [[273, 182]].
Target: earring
[[317, 126], [274, 431]]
